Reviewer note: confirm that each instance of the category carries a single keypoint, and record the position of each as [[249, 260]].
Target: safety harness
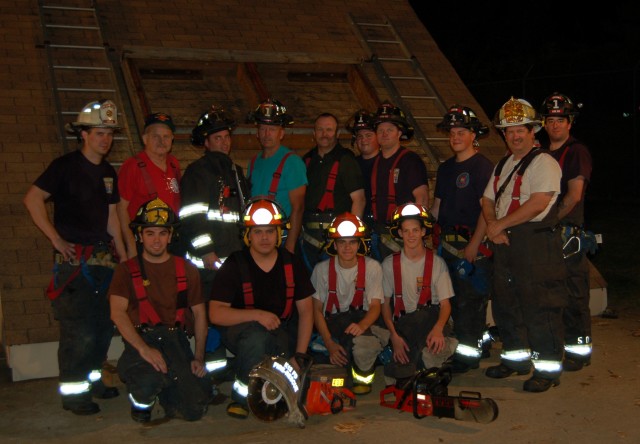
[[151, 189], [83, 253], [327, 203], [358, 296], [273, 188], [247, 285], [425, 291], [146, 313], [519, 170], [461, 233], [391, 190]]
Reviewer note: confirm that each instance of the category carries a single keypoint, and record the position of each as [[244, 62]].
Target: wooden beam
[[139, 104], [362, 88], [221, 55], [256, 81]]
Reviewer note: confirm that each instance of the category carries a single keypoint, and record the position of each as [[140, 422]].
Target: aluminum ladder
[[80, 68]]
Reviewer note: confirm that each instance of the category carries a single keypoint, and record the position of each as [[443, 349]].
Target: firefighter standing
[[261, 299], [398, 175], [460, 232], [417, 289], [153, 297], [153, 172], [84, 190], [277, 172], [363, 136], [347, 301], [335, 186], [529, 290], [574, 158]]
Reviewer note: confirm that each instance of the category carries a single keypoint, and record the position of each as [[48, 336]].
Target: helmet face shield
[[154, 213]]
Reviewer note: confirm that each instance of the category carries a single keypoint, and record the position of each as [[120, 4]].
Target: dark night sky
[[530, 50]]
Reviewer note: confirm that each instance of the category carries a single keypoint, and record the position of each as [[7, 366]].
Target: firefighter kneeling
[[153, 296], [347, 301]]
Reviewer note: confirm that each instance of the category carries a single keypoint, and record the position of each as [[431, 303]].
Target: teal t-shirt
[[294, 175]]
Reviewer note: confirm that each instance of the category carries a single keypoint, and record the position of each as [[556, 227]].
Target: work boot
[[238, 410], [501, 371], [100, 391], [84, 409], [141, 415], [361, 389], [573, 365], [536, 384], [458, 367]]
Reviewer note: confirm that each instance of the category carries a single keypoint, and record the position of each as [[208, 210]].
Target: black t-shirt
[[409, 174], [459, 186], [81, 192], [577, 162], [269, 288], [349, 178]]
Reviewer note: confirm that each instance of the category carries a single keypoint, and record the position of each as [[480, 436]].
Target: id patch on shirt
[[108, 184]]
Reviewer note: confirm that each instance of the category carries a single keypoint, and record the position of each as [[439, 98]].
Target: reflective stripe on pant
[[529, 294], [178, 389]]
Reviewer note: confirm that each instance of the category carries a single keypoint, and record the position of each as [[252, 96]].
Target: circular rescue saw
[[277, 389]]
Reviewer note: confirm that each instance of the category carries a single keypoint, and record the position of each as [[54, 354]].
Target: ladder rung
[[418, 97], [101, 48], [92, 28], [68, 8], [393, 59], [374, 24], [427, 117], [90, 68], [407, 77], [441, 139], [394, 42], [86, 89]]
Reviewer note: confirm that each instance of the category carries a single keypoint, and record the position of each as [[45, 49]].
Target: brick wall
[[28, 131]]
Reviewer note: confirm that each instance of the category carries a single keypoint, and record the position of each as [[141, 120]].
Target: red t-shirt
[[133, 187]]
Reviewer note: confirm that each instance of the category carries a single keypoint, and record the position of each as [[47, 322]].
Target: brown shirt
[[162, 292]]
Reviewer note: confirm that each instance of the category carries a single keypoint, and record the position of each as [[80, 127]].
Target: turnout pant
[[529, 296], [179, 390], [577, 315]]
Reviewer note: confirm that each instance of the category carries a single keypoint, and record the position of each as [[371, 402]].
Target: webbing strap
[[275, 181], [83, 253], [391, 190], [425, 289], [358, 296]]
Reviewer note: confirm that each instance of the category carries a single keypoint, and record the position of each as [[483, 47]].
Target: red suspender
[[291, 286], [146, 313], [273, 188], [515, 195], [357, 302], [425, 290], [148, 183], [327, 203], [332, 299], [247, 286], [562, 156], [391, 190]]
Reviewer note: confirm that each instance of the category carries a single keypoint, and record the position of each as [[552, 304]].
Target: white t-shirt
[[412, 272], [541, 176], [346, 283]]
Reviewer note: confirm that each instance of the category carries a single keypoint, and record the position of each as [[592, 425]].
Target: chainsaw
[[426, 394]]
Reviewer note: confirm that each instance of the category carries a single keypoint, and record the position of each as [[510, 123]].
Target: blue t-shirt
[[459, 186], [294, 175]]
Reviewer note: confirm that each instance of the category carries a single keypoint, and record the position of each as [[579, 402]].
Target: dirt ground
[[599, 404]]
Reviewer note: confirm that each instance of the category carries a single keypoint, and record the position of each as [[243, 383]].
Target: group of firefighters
[[333, 254]]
